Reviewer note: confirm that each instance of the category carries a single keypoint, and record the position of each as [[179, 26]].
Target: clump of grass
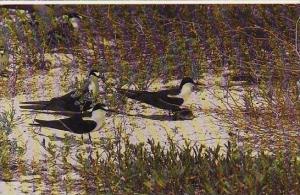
[[265, 120], [10, 150], [8, 120], [150, 168]]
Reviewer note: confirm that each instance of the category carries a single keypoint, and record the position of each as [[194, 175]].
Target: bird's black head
[[74, 15], [100, 106], [186, 80], [95, 73]]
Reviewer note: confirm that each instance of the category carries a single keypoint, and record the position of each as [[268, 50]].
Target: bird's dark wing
[[65, 97], [156, 99], [69, 96], [73, 124], [171, 91], [55, 124], [57, 105], [166, 96], [54, 106], [71, 102], [67, 102], [86, 114], [137, 95], [61, 113], [168, 103]]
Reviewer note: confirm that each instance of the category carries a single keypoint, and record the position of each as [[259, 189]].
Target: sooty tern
[[82, 123], [170, 99], [71, 101]]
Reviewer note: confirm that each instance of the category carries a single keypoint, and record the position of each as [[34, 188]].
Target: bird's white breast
[[99, 117], [186, 90], [93, 85]]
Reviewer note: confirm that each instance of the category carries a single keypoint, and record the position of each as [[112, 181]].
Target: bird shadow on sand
[[156, 117], [51, 137]]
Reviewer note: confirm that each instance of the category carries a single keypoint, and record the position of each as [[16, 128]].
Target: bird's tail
[[35, 102], [56, 124], [62, 113], [34, 107]]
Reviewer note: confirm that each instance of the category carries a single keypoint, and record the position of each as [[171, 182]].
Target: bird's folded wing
[[165, 104], [76, 124], [178, 101]]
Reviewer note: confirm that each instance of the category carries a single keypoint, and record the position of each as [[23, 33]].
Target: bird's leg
[[90, 138], [82, 137], [44, 142]]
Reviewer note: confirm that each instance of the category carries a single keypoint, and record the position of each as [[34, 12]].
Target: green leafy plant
[[8, 120], [10, 150], [152, 168]]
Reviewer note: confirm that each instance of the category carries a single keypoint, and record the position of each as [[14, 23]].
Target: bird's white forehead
[[95, 73], [90, 110]]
